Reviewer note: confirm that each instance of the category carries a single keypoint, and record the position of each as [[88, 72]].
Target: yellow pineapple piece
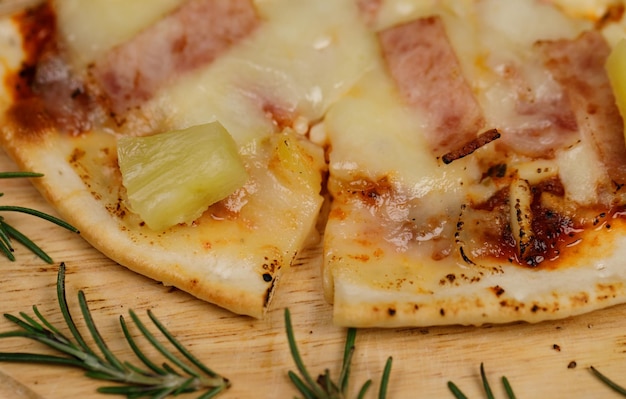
[[172, 177]]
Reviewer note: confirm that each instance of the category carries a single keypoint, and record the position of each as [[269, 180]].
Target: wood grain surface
[[537, 359]]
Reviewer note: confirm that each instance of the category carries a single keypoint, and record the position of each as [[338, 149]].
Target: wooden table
[[537, 359]]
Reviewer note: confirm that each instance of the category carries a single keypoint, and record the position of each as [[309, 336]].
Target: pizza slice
[[477, 173], [86, 75], [474, 162]]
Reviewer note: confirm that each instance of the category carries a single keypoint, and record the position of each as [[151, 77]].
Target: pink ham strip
[[194, 35], [547, 122], [428, 75], [578, 65]]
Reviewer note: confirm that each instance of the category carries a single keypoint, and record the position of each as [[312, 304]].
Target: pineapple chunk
[[173, 177], [616, 69], [292, 164]]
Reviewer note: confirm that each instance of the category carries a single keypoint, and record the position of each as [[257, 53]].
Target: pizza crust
[[235, 262]]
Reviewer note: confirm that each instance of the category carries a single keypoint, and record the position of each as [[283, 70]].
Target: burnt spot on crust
[[270, 266], [605, 291], [458, 279], [580, 299], [268, 293], [391, 311], [76, 156], [497, 290], [117, 209]]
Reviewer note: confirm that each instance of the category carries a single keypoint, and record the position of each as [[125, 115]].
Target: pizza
[[457, 162]]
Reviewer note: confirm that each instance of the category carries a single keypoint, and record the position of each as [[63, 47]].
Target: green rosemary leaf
[[158, 346], [67, 316], [384, 382], [301, 385], [488, 392], [45, 322], [39, 359], [194, 360], [456, 391], [95, 334], [134, 382], [295, 354], [508, 388], [486, 386], [364, 389], [7, 250], [324, 387], [133, 345], [7, 231], [4, 236], [12, 175], [347, 359], [606, 380], [25, 241], [39, 214]]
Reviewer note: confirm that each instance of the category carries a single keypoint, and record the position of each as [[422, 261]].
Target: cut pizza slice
[[265, 72], [477, 172]]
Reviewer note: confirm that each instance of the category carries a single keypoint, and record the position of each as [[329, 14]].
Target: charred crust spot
[[268, 293], [536, 308], [117, 209], [571, 365], [442, 312], [270, 266], [497, 290], [267, 277], [450, 278], [391, 311], [76, 156], [556, 347]]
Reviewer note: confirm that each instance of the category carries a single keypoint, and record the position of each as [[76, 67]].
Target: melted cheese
[[90, 28], [301, 59]]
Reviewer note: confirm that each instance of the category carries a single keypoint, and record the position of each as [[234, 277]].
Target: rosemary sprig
[[488, 392], [606, 380], [150, 380], [9, 233], [324, 387]]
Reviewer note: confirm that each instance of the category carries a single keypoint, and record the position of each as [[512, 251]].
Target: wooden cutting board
[[549, 360]]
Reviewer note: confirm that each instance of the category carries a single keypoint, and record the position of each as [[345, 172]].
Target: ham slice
[[578, 65], [192, 36], [424, 66]]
